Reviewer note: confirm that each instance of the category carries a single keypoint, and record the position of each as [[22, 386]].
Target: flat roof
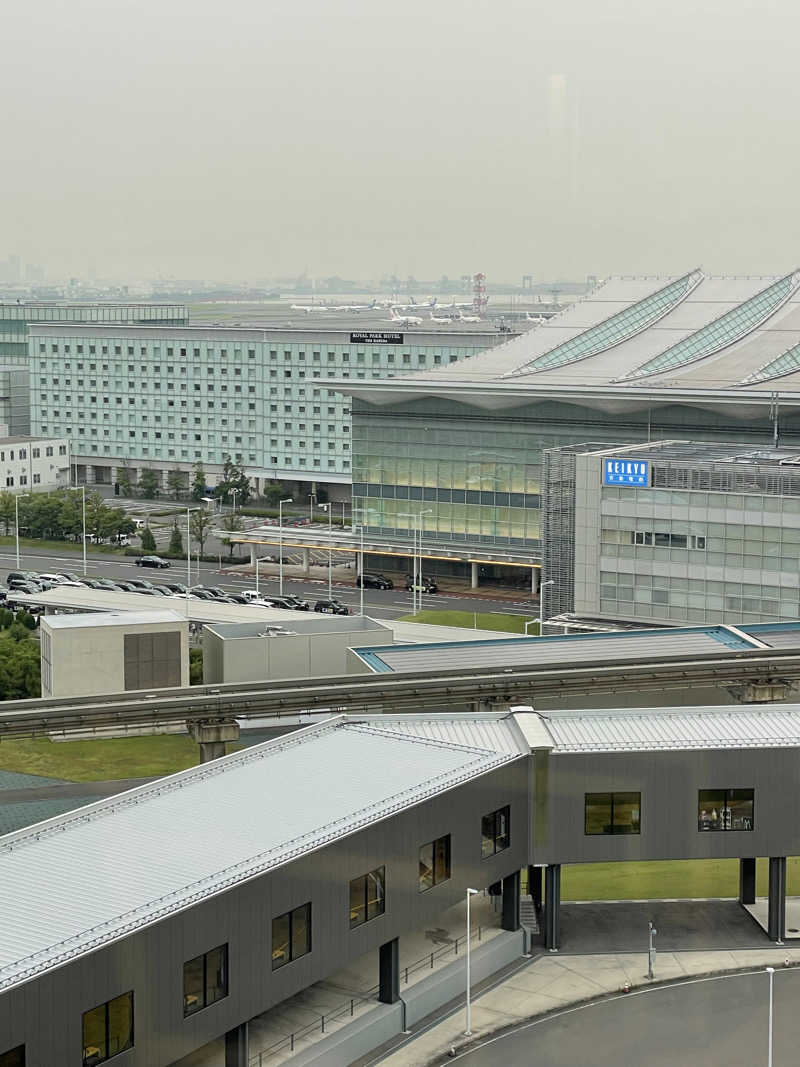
[[664, 729], [112, 618], [313, 623], [57, 904], [572, 649]]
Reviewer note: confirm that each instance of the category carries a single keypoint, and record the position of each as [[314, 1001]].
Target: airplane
[[441, 318], [468, 318], [404, 320], [306, 308], [538, 319]]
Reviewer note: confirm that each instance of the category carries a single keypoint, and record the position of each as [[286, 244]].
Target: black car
[[21, 576], [288, 603], [151, 592], [374, 581], [151, 561], [175, 587], [90, 583], [70, 576], [427, 585], [331, 607], [106, 583], [129, 587], [140, 583], [203, 594], [237, 598], [24, 587], [296, 603]]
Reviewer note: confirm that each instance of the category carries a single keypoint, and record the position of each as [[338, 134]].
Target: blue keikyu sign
[[626, 472]]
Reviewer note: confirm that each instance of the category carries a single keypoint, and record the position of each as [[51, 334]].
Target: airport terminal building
[[699, 358]]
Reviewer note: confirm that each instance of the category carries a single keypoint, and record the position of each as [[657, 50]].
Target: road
[[380, 604], [706, 1023]]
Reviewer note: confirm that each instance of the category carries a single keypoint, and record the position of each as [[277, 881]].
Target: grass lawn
[[671, 878], [60, 546], [482, 620], [96, 761]]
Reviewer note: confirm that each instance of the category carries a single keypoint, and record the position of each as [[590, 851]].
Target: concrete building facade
[[34, 463]]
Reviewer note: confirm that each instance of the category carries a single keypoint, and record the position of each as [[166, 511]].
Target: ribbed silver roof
[[774, 726], [199, 832]]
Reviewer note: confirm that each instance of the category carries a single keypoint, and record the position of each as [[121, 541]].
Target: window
[[107, 1030], [205, 980], [367, 897], [434, 863], [495, 832], [15, 1057], [291, 936], [725, 809], [612, 813]]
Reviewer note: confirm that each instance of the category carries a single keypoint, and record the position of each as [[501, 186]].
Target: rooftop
[[112, 618], [364, 770], [312, 624]]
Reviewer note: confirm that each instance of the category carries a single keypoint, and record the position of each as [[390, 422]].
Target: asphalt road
[[382, 604], [706, 1023]]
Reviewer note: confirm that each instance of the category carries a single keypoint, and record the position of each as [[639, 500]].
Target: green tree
[[233, 478], [274, 492], [7, 510], [198, 482], [149, 483], [195, 666], [200, 524], [176, 540], [177, 482], [19, 664], [125, 480], [148, 541]]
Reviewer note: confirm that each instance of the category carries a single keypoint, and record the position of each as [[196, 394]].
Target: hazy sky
[[247, 138]]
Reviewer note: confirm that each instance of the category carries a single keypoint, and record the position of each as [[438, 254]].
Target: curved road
[[717, 1022]]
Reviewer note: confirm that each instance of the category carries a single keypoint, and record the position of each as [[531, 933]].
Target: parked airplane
[[306, 308], [538, 319], [404, 320], [443, 319], [468, 318]]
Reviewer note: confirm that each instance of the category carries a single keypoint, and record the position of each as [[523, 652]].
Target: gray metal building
[[147, 924]]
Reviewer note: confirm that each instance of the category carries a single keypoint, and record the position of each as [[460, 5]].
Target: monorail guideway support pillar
[[237, 1052], [212, 735]]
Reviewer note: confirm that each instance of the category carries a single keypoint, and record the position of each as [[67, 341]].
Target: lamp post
[[468, 1031], [413, 517], [234, 491], [361, 570], [329, 509], [16, 523], [189, 554], [82, 489], [427, 511], [771, 973], [286, 500]]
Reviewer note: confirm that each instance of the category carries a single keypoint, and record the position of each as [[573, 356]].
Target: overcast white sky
[[242, 139]]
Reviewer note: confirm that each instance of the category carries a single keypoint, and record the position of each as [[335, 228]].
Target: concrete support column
[[236, 1047], [473, 576], [389, 972], [306, 558], [212, 736], [747, 881], [535, 886], [511, 902], [552, 907], [536, 579], [776, 914]]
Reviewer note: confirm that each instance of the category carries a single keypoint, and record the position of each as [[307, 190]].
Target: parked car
[[90, 583], [374, 581], [21, 576], [128, 587], [151, 561], [250, 595], [175, 587], [70, 576], [293, 603], [331, 607], [140, 583], [106, 583], [56, 579], [203, 594], [18, 586], [237, 598], [213, 590], [152, 591], [427, 585]]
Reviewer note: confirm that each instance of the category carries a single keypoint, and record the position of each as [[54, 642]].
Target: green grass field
[[96, 761], [686, 878], [58, 546], [482, 620]]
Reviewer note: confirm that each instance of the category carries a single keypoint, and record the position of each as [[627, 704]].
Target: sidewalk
[[549, 983]]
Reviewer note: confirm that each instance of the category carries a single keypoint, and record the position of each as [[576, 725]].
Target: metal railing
[[426, 962]]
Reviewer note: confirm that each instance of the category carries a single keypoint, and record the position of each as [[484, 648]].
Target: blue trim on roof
[[770, 628], [372, 656]]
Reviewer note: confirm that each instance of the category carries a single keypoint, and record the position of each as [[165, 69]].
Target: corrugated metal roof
[[67, 887], [571, 649], [773, 726], [487, 732]]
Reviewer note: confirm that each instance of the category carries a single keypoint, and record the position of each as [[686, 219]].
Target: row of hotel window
[[108, 1028], [621, 813]]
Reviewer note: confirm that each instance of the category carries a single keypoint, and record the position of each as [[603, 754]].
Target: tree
[[19, 664], [200, 524], [274, 492], [149, 483], [233, 478], [177, 482], [125, 480], [6, 510], [195, 666], [198, 482], [148, 541], [176, 540]]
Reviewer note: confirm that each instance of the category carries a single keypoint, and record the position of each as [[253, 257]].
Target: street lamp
[[413, 517], [82, 488], [771, 973], [468, 1031], [286, 500], [189, 555], [234, 491], [329, 509], [428, 511], [16, 523]]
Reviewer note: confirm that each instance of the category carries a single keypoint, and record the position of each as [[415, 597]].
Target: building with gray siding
[[155, 921], [705, 533]]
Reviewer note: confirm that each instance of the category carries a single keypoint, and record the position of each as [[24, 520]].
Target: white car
[[56, 579]]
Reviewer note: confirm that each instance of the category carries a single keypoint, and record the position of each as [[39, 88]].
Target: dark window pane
[[626, 812], [216, 974], [358, 901], [193, 985], [487, 835], [441, 860], [95, 1049], [502, 829], [725, 809], [740, 804], [301, 931], [710, 805], [376, 884], [426, 867], [15, 1057], [280, 941], [598, 814], [120, 1024]]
